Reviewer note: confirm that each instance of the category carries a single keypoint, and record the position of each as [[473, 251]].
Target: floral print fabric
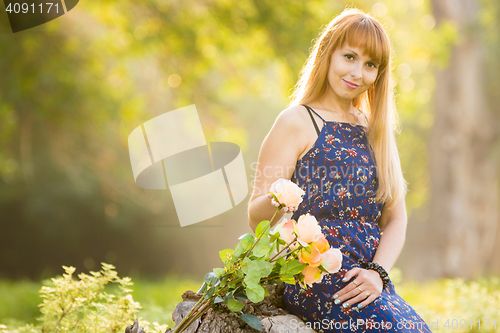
[[339, 177]]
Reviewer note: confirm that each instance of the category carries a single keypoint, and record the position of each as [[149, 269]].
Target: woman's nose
[[356, 73]]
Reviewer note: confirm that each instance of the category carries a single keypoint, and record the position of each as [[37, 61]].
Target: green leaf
[[289, 280], [219, 272], [262, 229], [246, 265], [211, 279], [203, 288], [252, 278], [224, 281], [246, 242], [234, 305], [240, 274], [247, 239], [240, 295], [292, 267], [263, 266], [274, 236], [223, 254], [218, 299], [229, 295], [232, 284], [262, 247], [252, 321], [255, 293]]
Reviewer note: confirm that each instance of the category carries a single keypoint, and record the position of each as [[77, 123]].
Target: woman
[[336, 141]]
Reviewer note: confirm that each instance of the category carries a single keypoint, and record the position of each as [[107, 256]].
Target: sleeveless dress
[[339, 177]]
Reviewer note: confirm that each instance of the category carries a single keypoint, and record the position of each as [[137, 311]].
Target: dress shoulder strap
[[366, 118], [309, 109]]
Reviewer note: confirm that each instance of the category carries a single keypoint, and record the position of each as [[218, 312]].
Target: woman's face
[[351, 72]]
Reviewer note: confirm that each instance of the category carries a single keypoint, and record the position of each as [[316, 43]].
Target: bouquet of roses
[[294, 252]]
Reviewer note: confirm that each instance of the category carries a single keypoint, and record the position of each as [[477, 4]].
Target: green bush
[[99, 302]]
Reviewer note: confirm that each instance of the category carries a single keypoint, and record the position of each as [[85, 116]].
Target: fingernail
[[344, 279], [360, 306], [337, 301], [345, 305], [335, 296]]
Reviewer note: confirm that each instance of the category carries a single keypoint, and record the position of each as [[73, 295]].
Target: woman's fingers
[[356, 295], [367, 301], [350, 286], [356, 299], [277, 204], [351, 273], [346, 293]]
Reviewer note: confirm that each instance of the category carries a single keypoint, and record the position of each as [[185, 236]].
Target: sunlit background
[[72, 90]]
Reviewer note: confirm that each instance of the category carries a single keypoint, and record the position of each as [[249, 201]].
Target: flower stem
[[277, 254], [263, 233], [193, 310]]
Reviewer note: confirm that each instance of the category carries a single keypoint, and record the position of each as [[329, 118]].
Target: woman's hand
[[364, 289], [276, 204]]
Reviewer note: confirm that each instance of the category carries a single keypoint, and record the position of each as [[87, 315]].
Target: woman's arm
[[393, 236], [389, 248], [277, 159]]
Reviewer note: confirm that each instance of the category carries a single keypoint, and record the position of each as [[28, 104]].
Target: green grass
[[19, 302], [453, 304], [159, 298]]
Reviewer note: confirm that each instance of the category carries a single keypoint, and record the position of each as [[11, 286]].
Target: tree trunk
[[463, 213]]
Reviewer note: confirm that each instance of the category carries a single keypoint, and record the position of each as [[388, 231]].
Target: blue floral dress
[[339, 177]]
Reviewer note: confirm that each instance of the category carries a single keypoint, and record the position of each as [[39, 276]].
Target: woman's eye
[[349, 55], [374, 66]]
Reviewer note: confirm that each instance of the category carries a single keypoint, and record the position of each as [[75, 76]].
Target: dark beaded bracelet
[[379, 269]]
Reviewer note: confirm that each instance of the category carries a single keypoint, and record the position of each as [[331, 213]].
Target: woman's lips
[[350, 85]]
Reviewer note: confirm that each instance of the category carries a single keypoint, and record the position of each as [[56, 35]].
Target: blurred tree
[[464, 214]]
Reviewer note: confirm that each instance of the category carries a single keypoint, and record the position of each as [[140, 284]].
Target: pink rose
[[307, 229], [331, 260], [286, 231]]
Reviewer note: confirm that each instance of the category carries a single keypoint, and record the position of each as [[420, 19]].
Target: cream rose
[[331, 260], [288, 194], [307, 229]]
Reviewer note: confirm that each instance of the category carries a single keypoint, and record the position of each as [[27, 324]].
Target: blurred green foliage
[[72, 90], [453, 301]]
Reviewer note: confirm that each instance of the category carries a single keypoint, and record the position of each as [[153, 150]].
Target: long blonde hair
[[358, 29]]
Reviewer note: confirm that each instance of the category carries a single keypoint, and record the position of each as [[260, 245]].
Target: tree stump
[[271, 311]]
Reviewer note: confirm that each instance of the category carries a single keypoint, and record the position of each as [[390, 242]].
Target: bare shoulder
[[279, 151], [290, 123], [292, 117]]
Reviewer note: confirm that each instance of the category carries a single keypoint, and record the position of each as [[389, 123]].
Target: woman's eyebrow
[[352, 51], [357, 55]]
